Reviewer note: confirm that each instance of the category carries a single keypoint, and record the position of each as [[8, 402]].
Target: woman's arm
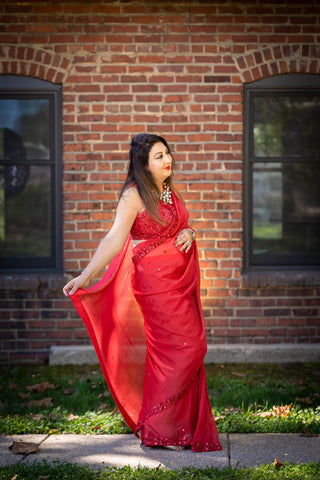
[[128, 207]]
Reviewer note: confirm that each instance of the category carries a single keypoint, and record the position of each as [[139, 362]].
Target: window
[[30, 175], [282, 172]]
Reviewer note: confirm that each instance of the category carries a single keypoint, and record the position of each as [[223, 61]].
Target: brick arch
[[275, 60], [33, 62]]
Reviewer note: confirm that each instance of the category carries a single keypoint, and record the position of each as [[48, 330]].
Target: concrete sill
[[233, 353]]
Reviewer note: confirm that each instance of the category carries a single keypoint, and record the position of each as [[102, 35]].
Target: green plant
[[68, 471], [42, 399]]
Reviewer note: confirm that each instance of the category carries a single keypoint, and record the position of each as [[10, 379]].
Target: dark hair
[[138, 174]]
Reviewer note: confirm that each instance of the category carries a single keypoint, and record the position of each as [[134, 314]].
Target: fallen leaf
[[36, 416], [11, 385], [238, 374], [14, 476], [40, 387], [24, 448], [68, 391], [104, 394], [102, 406], [232, 409], [72, 417], [265, 414], [24, 396], [301, 382], [277, 464], [53, 430], [44, 402], [282, 411]]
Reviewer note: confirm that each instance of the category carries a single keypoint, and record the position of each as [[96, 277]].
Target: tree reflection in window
[[286, 126], [26, 197], [282, 171], [30, 174]]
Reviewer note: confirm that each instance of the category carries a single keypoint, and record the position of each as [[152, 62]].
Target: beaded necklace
[[165, 196]]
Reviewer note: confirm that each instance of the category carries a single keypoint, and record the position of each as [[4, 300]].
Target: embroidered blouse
[[146, 228], [153, 232]]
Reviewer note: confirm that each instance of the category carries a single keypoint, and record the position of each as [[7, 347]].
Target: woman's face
[[160, 163]]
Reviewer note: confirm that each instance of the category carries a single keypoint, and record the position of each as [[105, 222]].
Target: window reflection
[[286, 208], [24, 188], [30, 174], [267, 203], [286, 126], [2, 200], [282, 172], [26, 216], [30, 120]]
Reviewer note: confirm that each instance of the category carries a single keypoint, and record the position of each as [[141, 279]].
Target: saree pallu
[[146, 324]]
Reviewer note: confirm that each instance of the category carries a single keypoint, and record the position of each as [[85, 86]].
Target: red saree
[[146, 324]]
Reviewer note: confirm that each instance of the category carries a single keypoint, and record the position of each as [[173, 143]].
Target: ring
[[188, 243]]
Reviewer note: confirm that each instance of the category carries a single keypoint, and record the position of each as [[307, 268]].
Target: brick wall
[[175, 68]]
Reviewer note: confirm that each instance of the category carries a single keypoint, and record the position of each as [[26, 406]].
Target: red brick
[[162, 71], [306, 312], [57, 334], [300, 332], [40, 28], [41, 324]]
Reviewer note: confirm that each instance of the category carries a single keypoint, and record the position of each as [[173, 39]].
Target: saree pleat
[[146, 324]]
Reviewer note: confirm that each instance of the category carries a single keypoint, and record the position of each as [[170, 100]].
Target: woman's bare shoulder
[[132, 196]]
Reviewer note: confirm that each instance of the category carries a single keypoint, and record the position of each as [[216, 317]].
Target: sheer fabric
[[145, 321]]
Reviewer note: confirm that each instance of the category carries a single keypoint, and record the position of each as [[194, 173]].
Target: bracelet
[[193, 233]]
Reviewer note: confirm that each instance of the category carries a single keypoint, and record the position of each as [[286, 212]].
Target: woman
[[144, 317]]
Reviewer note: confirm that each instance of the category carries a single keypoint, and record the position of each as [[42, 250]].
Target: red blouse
[[153, 232], [146, 228]]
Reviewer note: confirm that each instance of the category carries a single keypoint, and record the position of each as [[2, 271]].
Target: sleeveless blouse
[[147, 228], [152, 232]]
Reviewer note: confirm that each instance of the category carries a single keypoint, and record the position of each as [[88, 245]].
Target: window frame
[[22, 87], [299, 84]]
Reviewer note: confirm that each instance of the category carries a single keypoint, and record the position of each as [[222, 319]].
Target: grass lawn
[[67, 471], [245, 398]]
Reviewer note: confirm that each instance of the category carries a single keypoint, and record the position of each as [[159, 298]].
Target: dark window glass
[[30, 174], [282, 172], [26, 228], [30, 119], [286, 126], [286, 209]]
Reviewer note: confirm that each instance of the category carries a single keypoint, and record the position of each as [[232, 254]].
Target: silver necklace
[[165, 196]]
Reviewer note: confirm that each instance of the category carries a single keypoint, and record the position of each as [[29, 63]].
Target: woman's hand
[[184, 240], [81, 281]]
